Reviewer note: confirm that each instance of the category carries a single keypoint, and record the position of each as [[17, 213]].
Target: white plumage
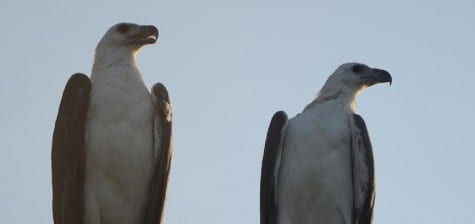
[[119, 142], [319, 157]]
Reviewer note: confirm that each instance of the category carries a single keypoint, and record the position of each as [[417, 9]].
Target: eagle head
[[350, 78], [130, 36], [121, 43], [356, 76]]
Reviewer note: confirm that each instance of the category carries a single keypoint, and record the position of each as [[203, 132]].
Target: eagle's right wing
[[270, 167], [68, 154]]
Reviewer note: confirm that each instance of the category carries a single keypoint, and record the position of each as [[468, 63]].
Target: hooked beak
[[377, 76], [146, 35]]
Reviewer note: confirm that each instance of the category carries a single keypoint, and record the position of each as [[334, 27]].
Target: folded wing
[[68, 153]]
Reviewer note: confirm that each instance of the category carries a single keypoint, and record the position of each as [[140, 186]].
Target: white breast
[[119, 147], [315, 174]]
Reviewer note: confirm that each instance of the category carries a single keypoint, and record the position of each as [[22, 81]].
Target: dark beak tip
[[390, 78], [155, 30], [151, 29], [384, 76], [148, 31]]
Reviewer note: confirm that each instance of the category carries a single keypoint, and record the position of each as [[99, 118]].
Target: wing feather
[[68, 154], [163, 154], [363, 172], [270, 166]]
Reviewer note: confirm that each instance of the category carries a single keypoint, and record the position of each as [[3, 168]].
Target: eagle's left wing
[[363, 171], [162, 152]]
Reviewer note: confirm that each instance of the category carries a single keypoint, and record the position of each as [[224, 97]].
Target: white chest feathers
[[119, 147], [315, 171]]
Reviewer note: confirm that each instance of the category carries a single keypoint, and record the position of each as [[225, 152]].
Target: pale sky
[[229, 65]]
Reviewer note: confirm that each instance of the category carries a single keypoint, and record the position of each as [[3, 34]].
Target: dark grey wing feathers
[[363, 171], [269, 170], [68, 153], [163, 154]]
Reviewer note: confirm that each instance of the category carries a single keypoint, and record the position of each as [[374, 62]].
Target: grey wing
[[363, 171], [68, 154], [270, 166], [163, 154]]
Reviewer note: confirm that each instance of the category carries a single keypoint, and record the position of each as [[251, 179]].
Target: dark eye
[[123, 28], [357, 68]]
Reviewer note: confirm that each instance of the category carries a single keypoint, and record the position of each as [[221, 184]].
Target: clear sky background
[[229, 65]]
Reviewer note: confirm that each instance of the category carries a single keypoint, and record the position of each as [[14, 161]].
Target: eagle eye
[[357, 69], [123, 28]]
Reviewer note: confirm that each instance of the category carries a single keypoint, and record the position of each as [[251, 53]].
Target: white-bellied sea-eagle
[[318, 166], [111, 148]]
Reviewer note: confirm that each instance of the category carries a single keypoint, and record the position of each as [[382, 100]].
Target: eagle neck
[[343, 99], [107, 56]]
